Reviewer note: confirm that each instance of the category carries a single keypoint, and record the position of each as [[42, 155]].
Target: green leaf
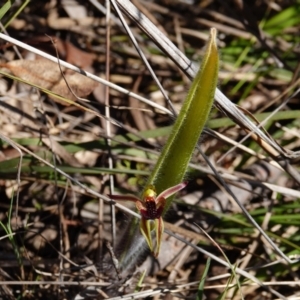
[[173, 161]]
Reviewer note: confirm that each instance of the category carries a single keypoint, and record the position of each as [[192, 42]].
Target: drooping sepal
[[145, 227], [159, 230]]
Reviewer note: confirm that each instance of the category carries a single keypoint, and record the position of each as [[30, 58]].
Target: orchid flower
[[151, 208]]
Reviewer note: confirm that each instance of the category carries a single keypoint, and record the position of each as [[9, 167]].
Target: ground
[[68, 141]]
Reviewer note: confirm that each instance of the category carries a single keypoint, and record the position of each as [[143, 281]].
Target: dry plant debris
[[57, 238]]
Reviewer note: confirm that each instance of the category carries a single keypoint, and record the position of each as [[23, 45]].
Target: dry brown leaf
[[66, 50], [78, 57], [47, 74]]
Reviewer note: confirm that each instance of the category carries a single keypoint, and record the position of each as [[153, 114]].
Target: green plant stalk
[[173, 162]]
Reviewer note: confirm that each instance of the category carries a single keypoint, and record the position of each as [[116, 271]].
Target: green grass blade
[[15, 14], [5, 8], [202, 281]]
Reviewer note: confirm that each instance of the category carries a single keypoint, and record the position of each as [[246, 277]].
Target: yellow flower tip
[[149, 192]]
